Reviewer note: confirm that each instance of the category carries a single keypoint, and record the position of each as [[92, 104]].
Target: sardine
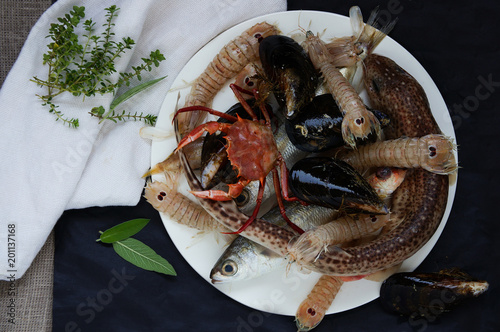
[[244, 259]]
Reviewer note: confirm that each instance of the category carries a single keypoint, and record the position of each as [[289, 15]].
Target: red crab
[[251, 149]]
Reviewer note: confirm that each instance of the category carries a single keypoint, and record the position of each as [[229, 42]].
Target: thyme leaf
[[83, 66]]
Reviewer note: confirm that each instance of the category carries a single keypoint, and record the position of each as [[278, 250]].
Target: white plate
[[279, 292]]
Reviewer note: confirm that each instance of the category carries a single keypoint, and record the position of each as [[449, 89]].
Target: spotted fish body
[[421, 199]]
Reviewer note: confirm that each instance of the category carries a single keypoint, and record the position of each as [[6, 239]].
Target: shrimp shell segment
[[431, 152]]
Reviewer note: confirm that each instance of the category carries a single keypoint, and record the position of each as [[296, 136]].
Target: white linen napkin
[[47, 167]]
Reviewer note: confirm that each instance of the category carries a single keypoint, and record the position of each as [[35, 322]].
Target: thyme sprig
[[86, 68]]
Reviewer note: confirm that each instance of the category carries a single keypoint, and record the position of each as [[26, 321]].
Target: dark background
[[457, 43]]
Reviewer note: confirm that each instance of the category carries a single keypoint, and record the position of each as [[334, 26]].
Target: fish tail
[[373, 32]]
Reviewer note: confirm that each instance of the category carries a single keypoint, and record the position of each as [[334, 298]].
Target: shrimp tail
[[170, 168], [312, 310]]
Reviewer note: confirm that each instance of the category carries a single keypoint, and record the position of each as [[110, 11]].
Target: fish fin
[[338, 251], [373, 32], [356, 19], [381, 275], [268, 252], [227, 239]]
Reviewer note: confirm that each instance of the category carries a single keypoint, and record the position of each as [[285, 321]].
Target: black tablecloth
[[457, 43]]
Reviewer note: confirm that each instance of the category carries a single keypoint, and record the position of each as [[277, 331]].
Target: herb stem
[[87, 69]]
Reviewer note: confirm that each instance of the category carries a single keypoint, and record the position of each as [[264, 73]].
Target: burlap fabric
[[32, 294]]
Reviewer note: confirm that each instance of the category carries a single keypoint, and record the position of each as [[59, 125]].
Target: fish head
[[386, 179], [382, 76], [224, 271], [233, 264]]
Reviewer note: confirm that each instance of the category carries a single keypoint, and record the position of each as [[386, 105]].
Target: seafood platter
[[394, 231]]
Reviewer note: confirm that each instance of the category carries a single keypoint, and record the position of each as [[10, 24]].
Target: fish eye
[[383, 173], [229, 268], [243, 198]]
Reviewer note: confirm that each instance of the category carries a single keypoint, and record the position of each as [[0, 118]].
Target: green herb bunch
[[85, 68]]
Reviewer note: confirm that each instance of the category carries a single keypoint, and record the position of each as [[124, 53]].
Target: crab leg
[[277, 189], [210, 127], [237, 92], [255, 211], [205, 109], [284, 183], [220, 195]]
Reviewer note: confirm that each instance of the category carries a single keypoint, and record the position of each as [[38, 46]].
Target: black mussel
[[428, 294], [317, 125], [215, 165], [288, 67], [333, 183]]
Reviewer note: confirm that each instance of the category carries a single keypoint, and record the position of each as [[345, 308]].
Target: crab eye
[[229, 268], [432, 151], [259, 37], [243, 198]]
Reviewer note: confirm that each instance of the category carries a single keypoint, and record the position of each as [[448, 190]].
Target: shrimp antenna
[[299, 26]]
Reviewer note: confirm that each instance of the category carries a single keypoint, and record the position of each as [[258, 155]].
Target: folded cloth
[[47, 167]]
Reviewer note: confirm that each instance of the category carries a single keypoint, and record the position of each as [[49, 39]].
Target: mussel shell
[[288, 67], [317, 126], [333, 183], [428, 294], [383, 118]]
